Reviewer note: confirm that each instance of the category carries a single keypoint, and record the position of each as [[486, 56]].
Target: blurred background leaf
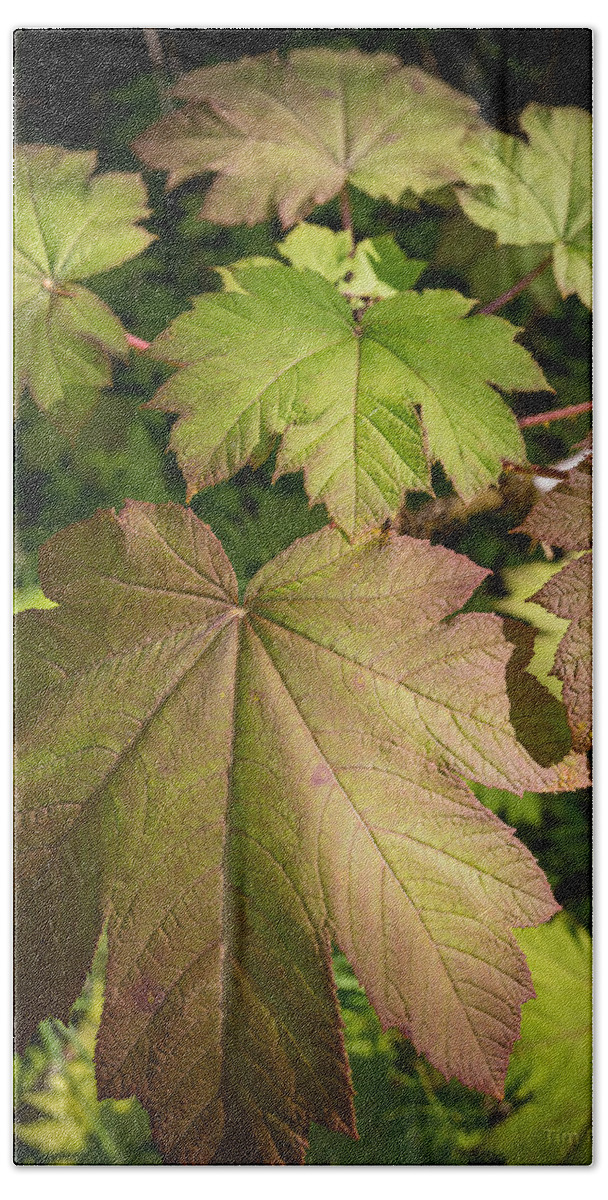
[[546, 1117], [406, 1112], [59, 1119]]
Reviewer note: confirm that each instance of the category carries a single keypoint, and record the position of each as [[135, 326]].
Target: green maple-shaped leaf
[[232, 785], [286, 134], [550, 1071], [375, 268], [537, 191], [286, 355], [69, 224], [563, 518]]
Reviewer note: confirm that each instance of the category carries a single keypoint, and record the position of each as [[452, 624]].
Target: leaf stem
[[346, 214], [156, 53], [136, 342], [555, 414], [155, 49], [518, 287], [533, 469]]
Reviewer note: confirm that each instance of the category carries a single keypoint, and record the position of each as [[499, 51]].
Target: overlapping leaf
[[537, 191], [522, 583], [563, 518], [69, 224], [231, 786], [373, 269], [568, 595], [284, 135], [285, 355], [550, 1072]]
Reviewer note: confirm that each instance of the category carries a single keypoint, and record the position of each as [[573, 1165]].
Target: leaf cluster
[[252, 748]]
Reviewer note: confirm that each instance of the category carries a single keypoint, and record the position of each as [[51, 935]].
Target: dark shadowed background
[[64, 77]]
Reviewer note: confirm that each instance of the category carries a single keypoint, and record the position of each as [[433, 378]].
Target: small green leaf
[[549, 1078], [286, 134], [316, 248], [30, 597], [375, 268], [538, 190], [364, 406], [69, 224], [381, 269]]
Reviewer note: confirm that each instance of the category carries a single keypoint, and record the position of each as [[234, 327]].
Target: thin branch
[[155, 49], [136, 342], [533, 469], [157, 58], [555, 414], [494, 305]]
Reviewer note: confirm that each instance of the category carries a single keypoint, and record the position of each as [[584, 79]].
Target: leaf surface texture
[[231, 786], [563, 518], [69, 224], [285, 134], [364, 405], [538, 190]]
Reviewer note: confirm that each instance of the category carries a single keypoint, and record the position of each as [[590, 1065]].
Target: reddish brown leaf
[[568, 594], [286, 134], [231, 785], [562, 517]]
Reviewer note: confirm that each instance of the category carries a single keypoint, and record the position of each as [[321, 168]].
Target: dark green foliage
[[254, 519], [119, 453], [557, 829]]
